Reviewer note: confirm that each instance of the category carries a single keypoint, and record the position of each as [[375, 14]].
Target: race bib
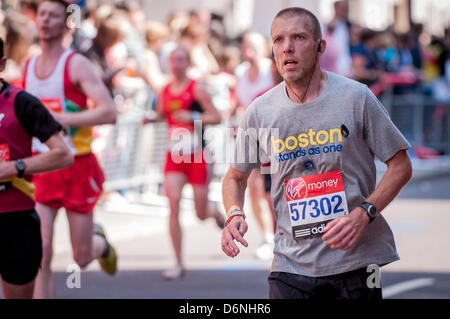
[[53, 105], [313, 201], [4, 156]]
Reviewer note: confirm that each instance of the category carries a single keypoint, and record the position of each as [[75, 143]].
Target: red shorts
[[76, 188], [196, 173]]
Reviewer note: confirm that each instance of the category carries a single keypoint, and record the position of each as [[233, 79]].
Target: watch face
[[20, 165], [372, 211]]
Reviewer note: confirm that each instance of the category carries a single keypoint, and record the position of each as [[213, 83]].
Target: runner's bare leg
[[44, 286]]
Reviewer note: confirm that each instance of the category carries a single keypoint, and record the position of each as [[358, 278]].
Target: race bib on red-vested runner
[[314, 201]]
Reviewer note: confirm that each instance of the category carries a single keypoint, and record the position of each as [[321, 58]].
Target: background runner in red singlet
[[182, 102]]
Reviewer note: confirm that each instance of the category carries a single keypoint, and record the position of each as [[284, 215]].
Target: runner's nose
[[288, 46]]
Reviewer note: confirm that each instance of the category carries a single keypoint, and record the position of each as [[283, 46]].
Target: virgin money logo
[[296, 189]]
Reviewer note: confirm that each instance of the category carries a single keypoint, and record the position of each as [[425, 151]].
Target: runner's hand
[[343, 232], [236, 229]]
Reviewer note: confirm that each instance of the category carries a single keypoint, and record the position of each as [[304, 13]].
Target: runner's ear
[[2, 64]]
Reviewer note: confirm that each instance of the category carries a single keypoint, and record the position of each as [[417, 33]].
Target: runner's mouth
[[290, 62]]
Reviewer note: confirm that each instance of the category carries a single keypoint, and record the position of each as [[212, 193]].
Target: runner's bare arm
[[398, 173], [159, 112], [83, 74], [210, 115], [233, 191], [344, 232], [59, 156]]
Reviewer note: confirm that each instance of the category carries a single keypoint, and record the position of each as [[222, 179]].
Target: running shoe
[[265, 251], [108, 261], [174, 273]]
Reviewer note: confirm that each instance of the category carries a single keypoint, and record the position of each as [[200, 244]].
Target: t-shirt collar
[[313, 102]]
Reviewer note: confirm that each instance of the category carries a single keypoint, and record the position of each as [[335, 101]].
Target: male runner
[[64, 80], [325, 132], [21, 117]]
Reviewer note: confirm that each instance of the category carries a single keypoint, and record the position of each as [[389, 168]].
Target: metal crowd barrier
[[416, 115], [132, 155]]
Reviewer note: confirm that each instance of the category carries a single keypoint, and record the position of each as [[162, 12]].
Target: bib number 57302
[[325, 206]]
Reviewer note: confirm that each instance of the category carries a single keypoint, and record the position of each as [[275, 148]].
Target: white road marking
[[399, 288]]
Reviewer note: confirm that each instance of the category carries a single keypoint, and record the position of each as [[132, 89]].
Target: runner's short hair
[[182, 48], [297, 11], [29, 4], [61, 2], [2, 50], [64, 3]]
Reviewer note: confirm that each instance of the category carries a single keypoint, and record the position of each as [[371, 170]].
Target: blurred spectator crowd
[[131, 53]]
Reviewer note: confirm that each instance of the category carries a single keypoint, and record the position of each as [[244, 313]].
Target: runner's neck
[[179, 85], [46, 62], [297, 91], [51, 50]]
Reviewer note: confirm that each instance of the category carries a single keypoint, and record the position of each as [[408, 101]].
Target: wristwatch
[[20, 166], [370, 209], [195, 116]]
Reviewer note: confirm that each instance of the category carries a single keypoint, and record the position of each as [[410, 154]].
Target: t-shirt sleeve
[[246, 148], [34, 117], [382, 136]]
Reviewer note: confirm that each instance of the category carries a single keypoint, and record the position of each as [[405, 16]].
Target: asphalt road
[[418, 217]]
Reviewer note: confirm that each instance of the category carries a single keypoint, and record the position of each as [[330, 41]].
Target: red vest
[[181, 101], [15, 143]]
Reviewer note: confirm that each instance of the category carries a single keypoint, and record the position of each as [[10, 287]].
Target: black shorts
[[349, 285], [20, 246]]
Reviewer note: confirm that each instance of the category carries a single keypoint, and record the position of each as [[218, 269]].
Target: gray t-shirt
[[327, 145]]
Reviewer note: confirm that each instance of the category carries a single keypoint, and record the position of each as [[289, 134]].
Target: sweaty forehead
[[292, 23]]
